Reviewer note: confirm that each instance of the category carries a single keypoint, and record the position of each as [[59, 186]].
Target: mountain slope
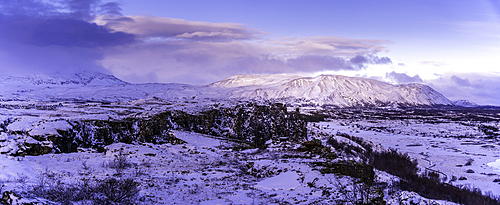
[[83, 78], [334, 90], [81, 87]]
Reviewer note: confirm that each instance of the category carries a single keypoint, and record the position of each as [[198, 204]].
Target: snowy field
[[202, 171], [473, 161], [211, 170]]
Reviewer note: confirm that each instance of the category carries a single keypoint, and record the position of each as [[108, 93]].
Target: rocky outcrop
[[249, 123]]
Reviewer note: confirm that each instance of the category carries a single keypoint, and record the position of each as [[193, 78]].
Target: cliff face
[[249, 123]]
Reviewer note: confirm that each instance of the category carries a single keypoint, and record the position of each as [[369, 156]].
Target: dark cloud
[[40, 37], [361, 61], [25, 59], [403, 78], [110, 8], [88, 35], [477, 88], [460, 81], [319, 63], [81, 9], [27, 8], [61, 32]]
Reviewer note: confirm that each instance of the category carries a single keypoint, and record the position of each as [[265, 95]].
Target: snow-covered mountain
[[334, 90], [85, 86], [465, 103], [83, 78]]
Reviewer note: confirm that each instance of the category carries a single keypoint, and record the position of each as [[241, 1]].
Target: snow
[[196, 139], [206, 170], [434, 147], [495, 165], [284, 181], [334, 90], [12, 167], [412, 198], [203, 171]]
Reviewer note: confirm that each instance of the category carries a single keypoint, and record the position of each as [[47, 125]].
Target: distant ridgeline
[[249, 123]]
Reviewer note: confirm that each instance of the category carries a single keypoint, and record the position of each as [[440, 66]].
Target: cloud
[[41, 37], [478, 88], [434, 63], [361, 61], [167, 28], [66, 32], [209, 61], [329, 45], [402, 78], [88, 35], [460, 81], [206, 52]]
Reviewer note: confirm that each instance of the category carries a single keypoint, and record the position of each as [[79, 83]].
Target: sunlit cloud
[[433, 63], [161, 27], [177, 50]]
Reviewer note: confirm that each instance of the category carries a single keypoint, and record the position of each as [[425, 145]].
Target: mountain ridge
[[334, 90], [81, 78]]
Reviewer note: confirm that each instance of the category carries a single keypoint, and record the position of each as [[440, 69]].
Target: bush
[[108, 191], [364, 172], [316, 147], [121, 191], [344, 147], [428, 186], [394, 163], [349, 148], [119, 163]]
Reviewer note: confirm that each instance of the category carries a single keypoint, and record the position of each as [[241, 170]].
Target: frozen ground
[[471, 161], [202, 171], [210, 170]]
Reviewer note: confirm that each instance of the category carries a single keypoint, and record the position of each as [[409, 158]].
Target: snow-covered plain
[[446, 155], [207, 170], [211, 170], [202, 171], [464, 152]]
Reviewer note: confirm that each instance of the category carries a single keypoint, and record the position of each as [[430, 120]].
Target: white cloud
[[177, 50], [146, 26]]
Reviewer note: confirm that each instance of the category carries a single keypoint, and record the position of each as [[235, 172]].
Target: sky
[[450, 45]]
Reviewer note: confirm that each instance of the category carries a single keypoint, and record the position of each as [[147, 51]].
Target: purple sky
[[451, 45]]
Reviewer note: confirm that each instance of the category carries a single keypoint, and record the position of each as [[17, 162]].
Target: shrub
[[394, 163], [344, 147], [428, 186], [316, 147], [121, 191], [359, 170], [108, 191], [119, 163], [469, 162]]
